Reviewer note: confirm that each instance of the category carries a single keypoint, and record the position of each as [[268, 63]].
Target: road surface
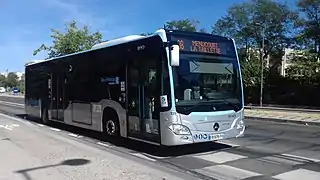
[[269, 150], [32, 152]]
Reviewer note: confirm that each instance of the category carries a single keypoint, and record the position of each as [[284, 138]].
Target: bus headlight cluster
[[179, 129], [240, 124]]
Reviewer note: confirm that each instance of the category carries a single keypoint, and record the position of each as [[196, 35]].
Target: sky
[[26, 24]]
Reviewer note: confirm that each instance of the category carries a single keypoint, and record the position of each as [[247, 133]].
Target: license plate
[[215, 137]]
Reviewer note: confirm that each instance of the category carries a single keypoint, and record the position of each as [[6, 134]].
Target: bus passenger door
[[57, 97], [143, 100]]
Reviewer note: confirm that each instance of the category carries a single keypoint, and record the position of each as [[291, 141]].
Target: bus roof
[[173, 32], [110, 43], [126, 39]]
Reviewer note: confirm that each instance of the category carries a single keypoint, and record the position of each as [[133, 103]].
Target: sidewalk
[[307, 118]]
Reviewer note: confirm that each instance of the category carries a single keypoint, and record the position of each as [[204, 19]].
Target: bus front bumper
[[173, 139]]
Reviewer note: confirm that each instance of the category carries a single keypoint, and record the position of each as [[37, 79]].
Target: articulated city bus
[[169, 88]]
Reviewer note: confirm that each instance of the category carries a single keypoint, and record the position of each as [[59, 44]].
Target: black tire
[[111, 124]]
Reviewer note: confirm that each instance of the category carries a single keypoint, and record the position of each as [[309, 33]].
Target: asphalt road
[[269, 150], [30, 151]]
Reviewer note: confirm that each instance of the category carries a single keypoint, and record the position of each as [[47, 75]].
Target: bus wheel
[[111, 124]]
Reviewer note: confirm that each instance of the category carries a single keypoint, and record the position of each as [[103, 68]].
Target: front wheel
[[111, 127]]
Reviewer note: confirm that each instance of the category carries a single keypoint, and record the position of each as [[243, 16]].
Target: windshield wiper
[[197, 105], [230, 103], [213, 101]]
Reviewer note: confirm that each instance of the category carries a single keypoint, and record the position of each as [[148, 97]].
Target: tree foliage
[[12, 79], [184, 25], [3, 80], [73, 40], [254, 20], [21, 83], [309, 24], [304, 66]]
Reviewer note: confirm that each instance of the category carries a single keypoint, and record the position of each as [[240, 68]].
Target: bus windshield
[[206, 83]]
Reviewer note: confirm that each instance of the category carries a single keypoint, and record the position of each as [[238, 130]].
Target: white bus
[[170, 88]]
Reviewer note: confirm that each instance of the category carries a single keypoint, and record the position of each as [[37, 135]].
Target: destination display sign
[[207, 45]]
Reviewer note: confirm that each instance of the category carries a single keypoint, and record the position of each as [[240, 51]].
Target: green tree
[[309, 24], [184, 25], [254, 20], [3, 80], [21, 83], [73, 40], [305, 66], [12, 79], [250, 23]]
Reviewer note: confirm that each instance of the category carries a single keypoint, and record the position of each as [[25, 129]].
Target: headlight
[[240, 124], [179, 129]]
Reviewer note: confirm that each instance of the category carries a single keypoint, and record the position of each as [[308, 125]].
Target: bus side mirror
[[174, 51]]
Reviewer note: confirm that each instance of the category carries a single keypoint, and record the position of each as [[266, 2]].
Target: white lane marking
[[103, 144], [75, 135], [143, 156], [155, 157], [229, 143], [220, 157], [227, 172], [15, 125], [41, 125], [301, 157], [55, 129], [6, 127], [298, 175]]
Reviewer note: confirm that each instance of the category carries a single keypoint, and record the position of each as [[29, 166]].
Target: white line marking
[[103, 144], [155, 157], [226, 142], [74, 135], [41, 125], [301, 157], [298, 175], [5, 127], [143, 156], [220, 157], [55, 129], [227, 172], [15, 125]]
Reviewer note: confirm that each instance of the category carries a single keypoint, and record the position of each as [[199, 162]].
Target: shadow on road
[[70, 162], [135, 146]]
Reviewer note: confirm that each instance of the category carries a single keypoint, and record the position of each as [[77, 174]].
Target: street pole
[[262, 67]]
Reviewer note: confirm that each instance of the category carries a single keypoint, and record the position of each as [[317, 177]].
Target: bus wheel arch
[[110, 122]]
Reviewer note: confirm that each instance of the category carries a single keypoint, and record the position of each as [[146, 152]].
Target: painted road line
[[227, 172], [301, 157], [143, 156], [55, 129], [5, 127], [299, 174], [220, 157], [74, 135], [103, 144]]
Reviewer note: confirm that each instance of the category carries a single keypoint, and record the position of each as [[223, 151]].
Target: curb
[[283, 121], [282, 109]]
